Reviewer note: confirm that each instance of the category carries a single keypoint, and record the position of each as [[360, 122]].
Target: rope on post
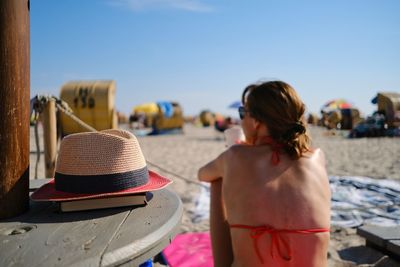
[[40, 101], [63, 106]]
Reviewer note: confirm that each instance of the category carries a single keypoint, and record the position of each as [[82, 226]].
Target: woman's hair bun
[[298, 127]]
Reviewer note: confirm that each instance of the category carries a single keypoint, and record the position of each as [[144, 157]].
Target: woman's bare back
[[292, 195]]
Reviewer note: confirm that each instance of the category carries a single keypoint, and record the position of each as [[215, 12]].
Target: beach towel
[[363, 200], [201, 206], [190, 250]]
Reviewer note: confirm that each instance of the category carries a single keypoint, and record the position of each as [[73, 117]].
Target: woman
[[270, 197]]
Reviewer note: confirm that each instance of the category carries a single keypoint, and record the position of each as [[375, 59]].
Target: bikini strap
[[275, 146], [276, 239]]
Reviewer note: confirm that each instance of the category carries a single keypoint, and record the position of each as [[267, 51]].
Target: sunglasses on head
[[242, 111]]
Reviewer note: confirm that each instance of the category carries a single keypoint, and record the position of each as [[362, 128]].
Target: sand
[[179, 157]]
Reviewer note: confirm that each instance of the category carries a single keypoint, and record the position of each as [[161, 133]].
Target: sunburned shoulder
[[243, 150], [238, 149], [235, 151], [315, 154]]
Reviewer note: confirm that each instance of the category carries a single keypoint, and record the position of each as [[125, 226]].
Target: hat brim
[[48, 192]]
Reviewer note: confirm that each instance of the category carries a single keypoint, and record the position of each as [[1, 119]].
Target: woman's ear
[[260, 127], [255, 123]]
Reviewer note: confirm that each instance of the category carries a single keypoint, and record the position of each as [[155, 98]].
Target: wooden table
[[109, 237], [383, 238]]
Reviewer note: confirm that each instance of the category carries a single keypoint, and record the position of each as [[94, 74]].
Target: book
[[103, 203]]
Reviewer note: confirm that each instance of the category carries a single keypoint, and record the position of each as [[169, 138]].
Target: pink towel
[[190, 249]]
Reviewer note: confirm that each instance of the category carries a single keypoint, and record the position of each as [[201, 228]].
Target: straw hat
[[99, 164]]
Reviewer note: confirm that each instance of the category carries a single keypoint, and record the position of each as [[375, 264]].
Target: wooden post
[[50, 137], [14, 107]]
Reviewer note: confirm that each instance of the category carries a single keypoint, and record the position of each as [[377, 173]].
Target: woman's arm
[[219, 227], [212, 170]]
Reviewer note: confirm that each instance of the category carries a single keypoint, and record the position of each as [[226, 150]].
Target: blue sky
[[203, 53]]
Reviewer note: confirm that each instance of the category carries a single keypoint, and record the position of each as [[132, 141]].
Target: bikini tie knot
[[276, 238]]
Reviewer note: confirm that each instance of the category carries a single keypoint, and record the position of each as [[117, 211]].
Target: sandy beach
[[179, 157]]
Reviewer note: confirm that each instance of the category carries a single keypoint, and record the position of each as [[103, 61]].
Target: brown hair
[[277, 104]]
